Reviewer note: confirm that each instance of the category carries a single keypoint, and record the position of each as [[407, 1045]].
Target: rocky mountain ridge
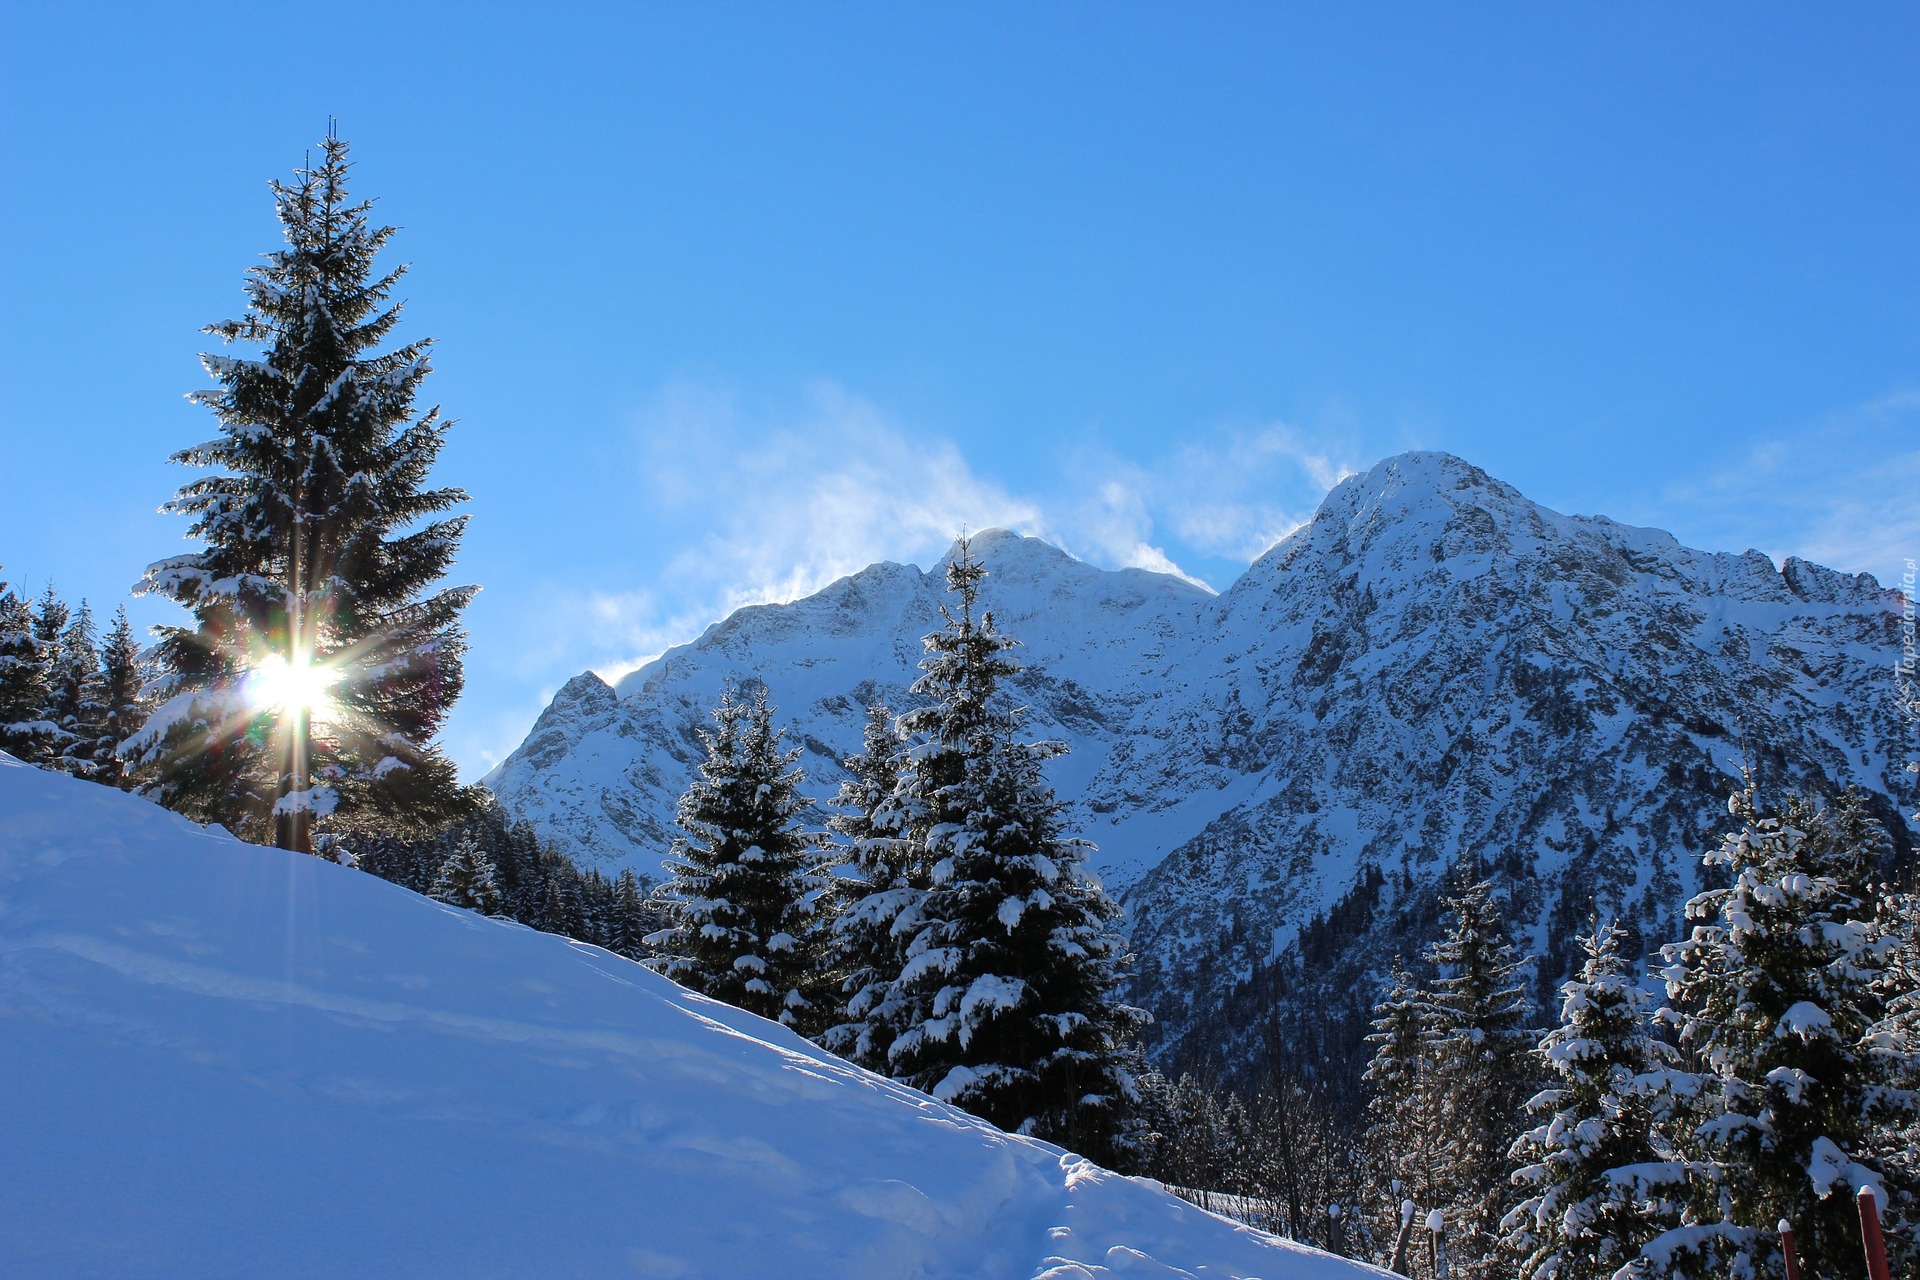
[[1432, 669]]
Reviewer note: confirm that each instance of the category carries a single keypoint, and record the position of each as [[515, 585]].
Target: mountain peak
[[1406, 478], [1002, 545]]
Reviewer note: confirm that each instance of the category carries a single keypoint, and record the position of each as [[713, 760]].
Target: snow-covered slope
[[1433, 668], [221, 1060]]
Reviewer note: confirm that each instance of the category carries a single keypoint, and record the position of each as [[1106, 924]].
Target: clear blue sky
[[733, 298]]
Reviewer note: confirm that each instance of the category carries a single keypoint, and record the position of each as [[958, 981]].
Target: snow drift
[[222, 1060]]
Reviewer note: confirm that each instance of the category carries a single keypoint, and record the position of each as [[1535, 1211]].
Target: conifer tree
[[79, 702], [1600, 1187], [1482, 1052], [466, 878], [879, 883], [1013, 972], [1895, 1040], [51, 619], [1775, 995], [26, 732], [741, 884], [1403, 1104], [122, 692], [629, 917], [323, 657], [49, 626]]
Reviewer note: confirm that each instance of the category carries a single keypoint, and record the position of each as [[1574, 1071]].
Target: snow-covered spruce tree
[[51, 622], [1774, 996], [1014, 969], [79, 700], [122, 689], [879, 880], [323, 657], [1600, 1187], [1895, 1040], [1481, 1049], [26, 731], [467, 879], [1403, 1130], [50, 618], [627, 935], [742, 881]]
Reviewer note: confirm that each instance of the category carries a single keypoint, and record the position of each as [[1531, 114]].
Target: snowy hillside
[[217, 1059], [1433, 668]]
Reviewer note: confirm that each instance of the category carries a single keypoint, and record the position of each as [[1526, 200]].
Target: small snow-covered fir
[[1600, 1186], [743, 882]]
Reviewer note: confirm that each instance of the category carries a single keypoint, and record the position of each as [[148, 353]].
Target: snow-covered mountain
[[1433, 668], [223, 1060]]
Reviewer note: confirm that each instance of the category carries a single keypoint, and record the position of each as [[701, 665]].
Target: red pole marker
[[1870, 1235], [1786, 1248]]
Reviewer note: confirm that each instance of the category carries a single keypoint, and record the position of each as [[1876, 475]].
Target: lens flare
[[279, 685]]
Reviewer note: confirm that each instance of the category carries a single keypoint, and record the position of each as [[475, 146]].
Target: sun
[[279, 685]]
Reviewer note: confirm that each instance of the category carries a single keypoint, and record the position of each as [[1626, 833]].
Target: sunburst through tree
[[323, 656]]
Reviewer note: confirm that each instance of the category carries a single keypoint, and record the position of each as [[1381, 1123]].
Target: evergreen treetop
[[743, 881]]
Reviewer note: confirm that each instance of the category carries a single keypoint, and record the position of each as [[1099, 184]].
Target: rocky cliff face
[[1434, 670]]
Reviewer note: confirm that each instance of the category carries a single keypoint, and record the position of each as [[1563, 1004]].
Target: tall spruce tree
[[50, 621], [1013, 972], [1600, 1186], [1775, 996], [26, 731], [323, 657], [1477, 1035], [1403, 1103], [743, 880], [124, 695], [880, 880], [50, 618], [1895, 1040], [79, 700]]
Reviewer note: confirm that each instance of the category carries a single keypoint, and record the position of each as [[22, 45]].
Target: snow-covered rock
[[1433, 668], [223, 1060]]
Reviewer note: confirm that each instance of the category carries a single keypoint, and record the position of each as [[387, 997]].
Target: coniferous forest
[[1692, 1103]]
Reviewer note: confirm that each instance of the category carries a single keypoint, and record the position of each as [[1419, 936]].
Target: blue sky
[[733, 299]]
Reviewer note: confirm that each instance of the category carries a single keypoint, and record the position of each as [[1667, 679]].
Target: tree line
[[68, 696], [1765, 1069]]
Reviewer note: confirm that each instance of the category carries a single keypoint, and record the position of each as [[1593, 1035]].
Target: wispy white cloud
[[787, 507], [753, 505], [1237, 495], [1840, 492], [1229, 494]]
